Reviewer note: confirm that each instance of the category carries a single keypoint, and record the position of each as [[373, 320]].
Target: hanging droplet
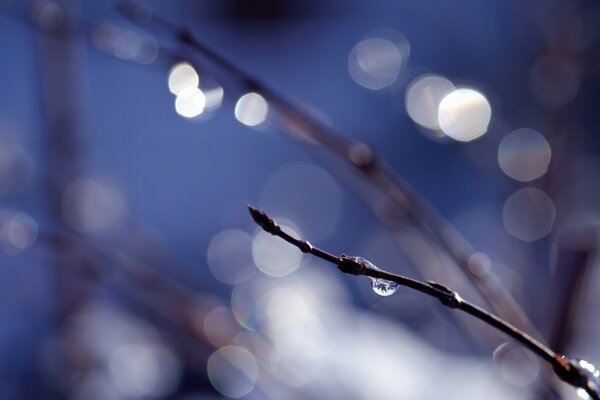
[[380, 286], [593, 375]]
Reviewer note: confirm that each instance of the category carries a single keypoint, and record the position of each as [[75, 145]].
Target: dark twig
[[358, 157], [568, 370]]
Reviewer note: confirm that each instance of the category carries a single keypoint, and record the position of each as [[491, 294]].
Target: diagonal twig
[[573, 372]]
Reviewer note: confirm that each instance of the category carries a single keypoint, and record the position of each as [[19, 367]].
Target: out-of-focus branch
[[571, 371]]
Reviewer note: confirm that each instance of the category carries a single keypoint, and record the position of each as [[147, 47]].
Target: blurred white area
[[92, 205], [464, 114], [128, 359], [304, 335]]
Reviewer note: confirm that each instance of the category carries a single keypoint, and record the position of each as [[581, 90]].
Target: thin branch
[[566, 369], [359, 158]]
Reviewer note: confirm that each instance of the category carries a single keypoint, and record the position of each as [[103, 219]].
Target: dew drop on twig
[[380, 286], [593, 375]]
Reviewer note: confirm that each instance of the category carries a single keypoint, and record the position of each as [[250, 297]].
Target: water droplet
[[380, 286], [591, 372]]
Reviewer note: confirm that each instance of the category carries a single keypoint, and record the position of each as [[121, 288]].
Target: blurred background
[[129, 266]]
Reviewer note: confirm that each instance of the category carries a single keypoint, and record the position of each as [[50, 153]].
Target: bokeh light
[[375, 62], [529, 214], [143, 370], [554, 82], [423, 98], [251, 109], [306, 194], [125, 44], [229, 256], [464, 114], [233, 371], [15, 166], [244, 299], [219, 326], [272, 255], [48, 15], [190, 102], [17, 233], [92, 206], [130, 355], [214, 98], [182, 76], [524, 155], [516, 365]]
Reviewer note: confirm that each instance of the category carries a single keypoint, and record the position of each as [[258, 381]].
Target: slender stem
[[359, 158], [565, 369]]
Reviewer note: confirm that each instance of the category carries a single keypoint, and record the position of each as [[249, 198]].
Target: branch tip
[[263, 220]]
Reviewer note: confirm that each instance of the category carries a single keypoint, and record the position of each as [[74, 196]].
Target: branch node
[[446, 296], [305, 246], [351, 265]]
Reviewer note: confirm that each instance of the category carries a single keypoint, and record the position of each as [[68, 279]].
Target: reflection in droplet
[[375, 62], [380, 286], [182, 76], [464, 114], [92, 206], [516, 365], [233, 371], [423, 98], [591, 372], [304, 193], [229, 256], [251, 109], [274, 256], [529, 214], [190, 102], [524, 155], [17, 233]]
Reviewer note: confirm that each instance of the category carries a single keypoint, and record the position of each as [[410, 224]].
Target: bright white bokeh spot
[[92, 206], [229, 256], [214, 98], [375, 62], [423, 98], [251, 109], [274, 256], [464, 114], [233, 371], [17, 233], [182, 76], [190, 102], [524, 155], [144, 370], [529, 214]]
